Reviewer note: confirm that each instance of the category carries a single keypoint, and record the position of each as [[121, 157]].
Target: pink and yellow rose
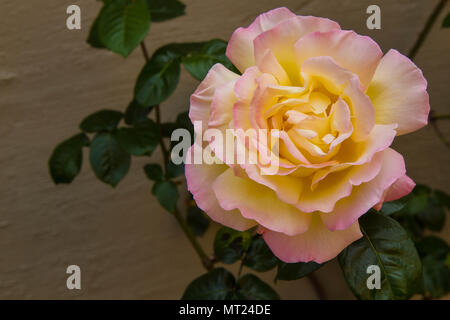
[[337, 102]]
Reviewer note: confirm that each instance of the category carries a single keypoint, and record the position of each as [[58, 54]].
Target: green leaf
[[167, 128], [103, 120], [66, 160], [417, 200], [294, 271], [412, 225], [123, 24], [136, 114], [443, 198], [250, 287], [153, 171], [217, 284], [94, 34], [230, 245], [433, 216], [432, 245], [140, 140], [197, 220], [259, 257], [159, 77], [447, 261], [167, 194], [436, 274], [174, 170], [199, 62], [446, 22], [108, 160], [162, 10], [385, 244], [392, 207]]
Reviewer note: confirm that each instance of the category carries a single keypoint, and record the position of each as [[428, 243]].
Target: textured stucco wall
[[125, 244]]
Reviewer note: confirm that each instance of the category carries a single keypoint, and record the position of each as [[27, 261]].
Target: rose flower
[[337, 104]]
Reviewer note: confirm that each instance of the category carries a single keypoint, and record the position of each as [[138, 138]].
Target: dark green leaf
[[432, 245], [412, 225], [229, 244], [417, 203], [250, 287], [183, 121], [259, 257], [385, 244], [153, 172], [167, 129], [136, 114], [162, 10], [167, 194], [199, 62], [108, 160], [446, 22], [103, 120], [294, 271], [436, 274], [197, 220], [159, 78], [433, 216], [217, 284], [393, 206], [140, 140], [443, 198], [65, 161], [123, 25], [94, 34], [436, 277], [174, 170]]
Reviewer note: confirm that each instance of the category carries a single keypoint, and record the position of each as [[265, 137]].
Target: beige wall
[[125, 244]]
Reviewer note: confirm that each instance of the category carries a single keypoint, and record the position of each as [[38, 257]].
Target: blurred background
[[126, 245]]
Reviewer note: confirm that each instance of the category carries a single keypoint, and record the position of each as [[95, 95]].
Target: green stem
[[426, 30], [161, 139], [435, 117], [207, 262], [317, 286], [415, 49]]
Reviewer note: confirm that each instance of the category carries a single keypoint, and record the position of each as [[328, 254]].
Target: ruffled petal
[[281, 39], [202, 98], [240, 46], [198, 177], [338, 186], [259, 203], [402, 187], [359, 54], [399, 93], [364, 197], [318, 244]]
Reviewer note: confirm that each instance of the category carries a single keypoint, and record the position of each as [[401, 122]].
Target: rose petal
[[198, 177], [260, 203], [364, 197], [318, 244], [399, 93], [240, 46], [338, 185], [359, 54], [202, 98], [281, 39]]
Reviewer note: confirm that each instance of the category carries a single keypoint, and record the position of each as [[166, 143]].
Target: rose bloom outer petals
[[309, 210]]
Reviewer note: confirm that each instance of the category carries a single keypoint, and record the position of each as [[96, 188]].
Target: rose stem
[[413, 52], [207, 262], [317, 286], [427, 28]]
